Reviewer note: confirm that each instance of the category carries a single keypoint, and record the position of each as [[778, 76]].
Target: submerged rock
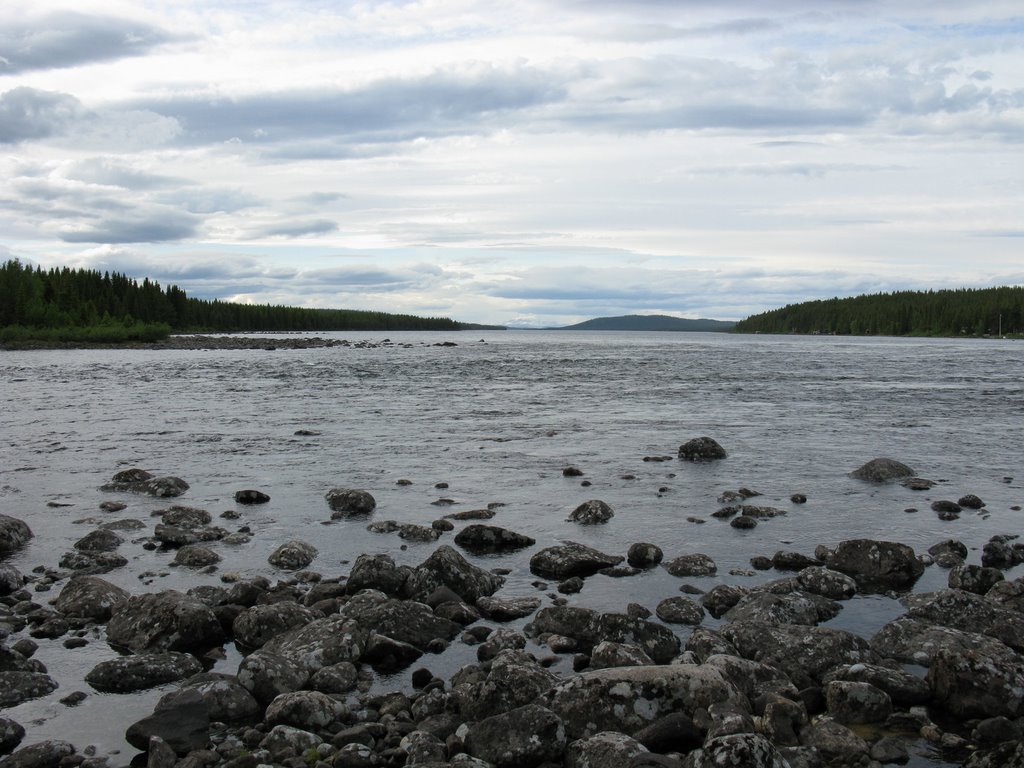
[[882, 470], [293, 555], [350, 502], [14, 534], [592, 512], [479, 538], [570, 559], [691, 565], [250, 496], [875, 564], [701, 449]]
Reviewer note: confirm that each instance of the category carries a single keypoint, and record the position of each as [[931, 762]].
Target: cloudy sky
[[530, 163]]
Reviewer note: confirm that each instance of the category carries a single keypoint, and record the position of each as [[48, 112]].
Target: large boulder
[[805, 654], [90, 597], [875, 565], [266, 675], [181, 720], [481, 539], [914, 641], [523, 738], [377, 572], [14, 533], [627, 699], [292, 555], [852, 702], [44, 754], [140, 671], [750, 750], [513, 679], [588, 628], [701, 449], [607, 749], [350, 502], [788, 608], [254, 626], [882, 470], [969, 612], [592, 512], [406, 621], [902, 688], [570, 559], [697, 564], [447, 568], [227, 700], [321, 643], [164, 621], [17, 686], [969, 684], [310, 710]]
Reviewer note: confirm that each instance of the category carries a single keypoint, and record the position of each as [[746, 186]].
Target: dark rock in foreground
[[164, 621], [14, 533], [140, 671], [182, 721]]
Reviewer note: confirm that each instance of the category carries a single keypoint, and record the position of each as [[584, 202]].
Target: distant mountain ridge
[[649, 323]]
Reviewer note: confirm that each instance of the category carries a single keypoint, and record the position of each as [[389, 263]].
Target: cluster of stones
[[767, 687]]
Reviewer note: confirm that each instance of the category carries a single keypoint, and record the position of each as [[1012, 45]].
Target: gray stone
[[140, 671], [915, 641], [447, 568], [164, 621], [226, 699], [692, 565], [507, 609], [523, 738], [100, 540], [722, 597], [406, 621], [292, 556], [310, 710], [250, 496], [182, 721], [18, 686], [90, 597], [45, 754], [377, 572], [285, 741], [608, 654], [267, 675], [857, 702], [876, 564], [644, 555], [607, 749], [321, 643], [350, 502], [974, 578], [513, 680], [11, 734], [969, 612], [969, 684], [903, 688], [792, 608], [882, 470], [14, 534], [701, 449], [826, 582], [749, 750], [255, 626], [680, 610], [196, 556], [836, 743], [592, 512], [480, 539], [570, 559]]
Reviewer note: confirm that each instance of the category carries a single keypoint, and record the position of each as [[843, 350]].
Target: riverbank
[[440, 661], [269, 342]]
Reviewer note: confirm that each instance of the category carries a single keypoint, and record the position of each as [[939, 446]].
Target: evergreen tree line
[[961, 312], [85, 305]]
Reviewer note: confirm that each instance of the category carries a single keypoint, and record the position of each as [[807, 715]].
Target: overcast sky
[[535, 162]]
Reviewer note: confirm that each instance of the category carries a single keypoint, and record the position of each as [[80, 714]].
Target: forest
[[961, 312], [79, 305]]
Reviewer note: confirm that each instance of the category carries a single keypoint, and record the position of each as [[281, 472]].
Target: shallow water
[[497, 417]]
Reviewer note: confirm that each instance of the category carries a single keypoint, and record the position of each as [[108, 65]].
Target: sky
[[530, 163]]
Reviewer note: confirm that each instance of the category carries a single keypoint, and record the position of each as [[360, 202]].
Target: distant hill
[[649, 323]]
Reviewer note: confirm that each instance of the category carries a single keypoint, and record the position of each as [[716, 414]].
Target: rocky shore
[[223, 342], [765, 686]]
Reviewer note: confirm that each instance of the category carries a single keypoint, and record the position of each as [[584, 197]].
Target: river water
[[497, 417]]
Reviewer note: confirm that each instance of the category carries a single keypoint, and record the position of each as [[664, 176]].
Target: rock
[[857, 702], [100, 540], [792, 608], [876, 564], [643, 555], [387, 655], [226, 699], [970, 612], [173, 536], [680, 610], [335, 678], [266, 675], [293, 556], [915, 641], [480, 539], [508, 609], [974, 578], [471, 514], [14, 533], [701, 449], [902, 688], [570, 559], [285, 741], [17, 686], [92, 562], [793, 561], [836, 743], [969, 684], [998, 552], [90, 597], [447, 568], [947, 510], [321, 643], [377, 572], [674, 732], [692, 565], [523, 738], [608, 654], [603, 750], [499, 640], [11, 579], [45, 754], [1008, 594], [1007, 755], [423, 748], [11, 734], [164, 621], [588, 628], [514, 679], [743, 522], [182, 721], [250, 496], [882, 470], [722, 597], [750, 750], [970, 501], [350, 502], [255, 626], [803, 653], [591, 512], [628, 699], [948, 553], [196, 556], [823, 581], [141, 671], [406, 621], [310, 710]]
